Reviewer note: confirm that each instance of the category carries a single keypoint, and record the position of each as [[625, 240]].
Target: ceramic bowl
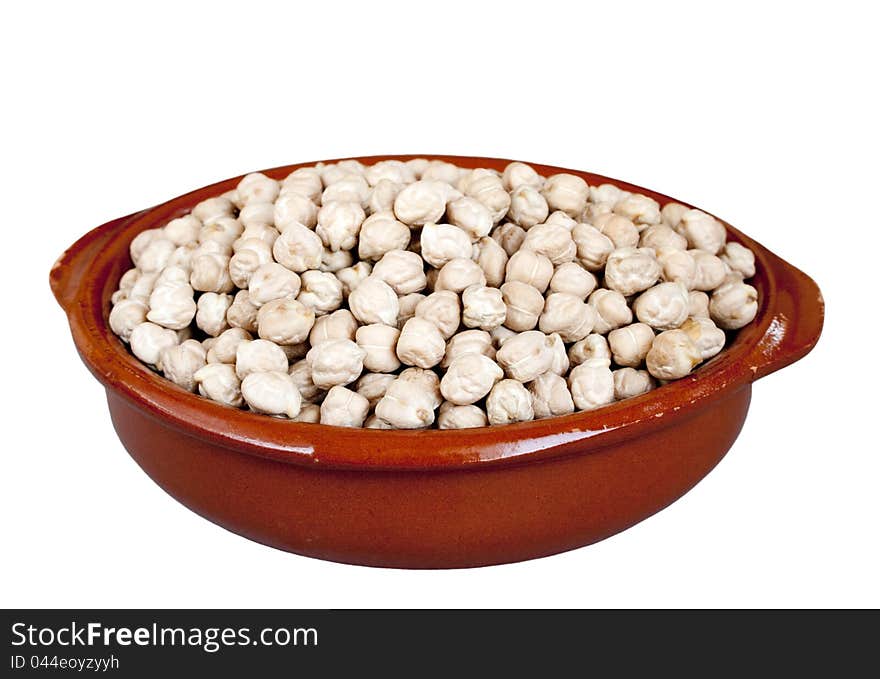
[[427, 499]]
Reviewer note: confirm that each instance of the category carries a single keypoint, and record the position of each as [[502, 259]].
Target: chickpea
[[294, 208], [611, 310], [639, 209], [630, 344], [492, 259], [471, 216], [180, 363], [733, 305], [483, 307], [305, 181], [530, 267], [211, 313], [629, 382], [524, 305], [373, 386], [381, 233], [573, 279], [631, 270], [182, 230], [250, 256], [509, 236], [224, 346], [321, 291], [672, 356], [254, 215], [527, 206], [559, 218], [509, 402], [423, 202], [550, 396], [301, 373], [344, 408], [272, 281], [451, 416], [526, 355], [331, 262], [219, 382], [379, 343], [486, 186], [352, 276], [703, 232], [374, 301], [210, 273], [402, 270], [441, 243], [671, 214], [620, 230], [339, 224], [468, 342], [698, 304], [592, 347], [125, 316], [443, 309], [309, 413], [420, 343], [242, 313], [710, 270], [708, 337], [172, 305], [350, 189], [591, 384], [517, 175], [212, 209], [662, 237], [409, 402], [552, 241], [338, 325], [739, 258], [441, 171], [593, 247], [382, 197], [271, 393], [335, 362], [298, 248], [566, 192], [663, 307], [257, 188], [407, 307], [568, 315], [469, 378], [258, 356], [678, 266], [458, 274]]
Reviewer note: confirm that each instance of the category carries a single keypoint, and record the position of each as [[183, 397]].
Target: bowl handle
[[67, 272], [797, 313]]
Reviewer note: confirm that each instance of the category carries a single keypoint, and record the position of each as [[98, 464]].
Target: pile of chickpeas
[[407, 295]]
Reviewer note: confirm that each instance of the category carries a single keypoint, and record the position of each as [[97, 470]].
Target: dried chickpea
[[344, 408], [382, 197], [374, 301], [219, 382], [294, 208], [125, 316], [591, 384], [672, 356], [486, 186], [339, 224], [224, 346], [372, 386], [471, 216], [708, 337], [524, 305], [527, 206], [593, 247], [526, 355], [258, 356], [335, 362], [423, 202], [482, 307], [733, 305], [611, 309], [182, 230], [272, 281], [550, 396], [381, 233], [677, 266], [211, 313], [739, 258], [698, 304], [639, 209], [321, 291], [629, 382], [256, 215], [468, 342], [443, 309], [441, 243], [257, 188], [662, 237], [592, 347], [492, 259], [420, 343], [351, 276], [631, 270], [409, 402], [331, 262], [509, 402], [566, 192], [309, 413], [338, 325], [242, 313], [181, 362], [251, 254], [402, 270], [298, 248], [451, 416], [530, 267], [301, 374], [703, 232], [509, 236], [671, 214], [407, 307], [350, 189], [469, 378], [271, 393], [458, 274], [710, 270], [573, 279], [379, 343], [663, 307], [620, 230], [552, 241], [630, 344], [567, 315], [517, 175]]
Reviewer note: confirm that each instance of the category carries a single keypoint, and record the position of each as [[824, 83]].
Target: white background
[[765, 114]]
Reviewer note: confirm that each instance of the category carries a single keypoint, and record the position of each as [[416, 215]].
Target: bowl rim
[[85, 276]]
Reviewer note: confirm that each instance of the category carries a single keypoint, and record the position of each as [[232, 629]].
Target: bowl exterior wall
[[433, 519]]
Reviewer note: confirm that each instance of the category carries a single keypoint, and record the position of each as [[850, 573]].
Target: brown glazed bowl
[[427, 499]]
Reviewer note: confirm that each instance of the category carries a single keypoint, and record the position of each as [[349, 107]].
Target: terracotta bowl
[[427, 499]]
